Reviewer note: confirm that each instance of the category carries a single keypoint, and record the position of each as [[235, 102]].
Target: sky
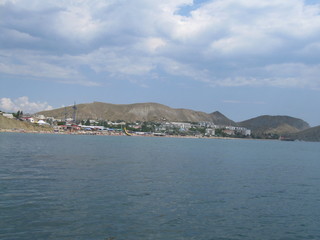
[[244, 58]]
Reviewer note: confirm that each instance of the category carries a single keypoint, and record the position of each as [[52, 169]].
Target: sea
[[134, 188]]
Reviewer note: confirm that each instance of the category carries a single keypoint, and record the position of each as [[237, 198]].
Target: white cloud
[[275, 75], [79, 22], [23, 104], [153, 44], [222, 42], [115, 62], [34, 64], [295, 74]]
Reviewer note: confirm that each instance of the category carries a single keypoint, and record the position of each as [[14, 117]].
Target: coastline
[[121, 134]]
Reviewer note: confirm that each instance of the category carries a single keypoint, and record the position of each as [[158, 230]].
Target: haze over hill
[[138, 112]]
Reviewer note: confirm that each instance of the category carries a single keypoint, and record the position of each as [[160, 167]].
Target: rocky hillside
[[6, 123], [274, 125], [136, 112]]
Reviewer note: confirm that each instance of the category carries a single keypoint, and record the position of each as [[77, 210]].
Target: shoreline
[[123, 134]]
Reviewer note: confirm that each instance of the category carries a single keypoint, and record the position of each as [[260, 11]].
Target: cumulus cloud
[[23, 104], [220, 42]]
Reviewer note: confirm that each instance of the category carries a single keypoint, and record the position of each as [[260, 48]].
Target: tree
[[18, 114]]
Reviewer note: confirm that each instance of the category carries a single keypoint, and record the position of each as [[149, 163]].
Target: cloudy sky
[[243, 58]]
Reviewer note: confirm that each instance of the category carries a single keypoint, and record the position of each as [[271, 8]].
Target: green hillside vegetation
[[14, 124]]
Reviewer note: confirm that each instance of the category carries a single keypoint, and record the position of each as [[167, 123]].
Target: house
[[28, 119]]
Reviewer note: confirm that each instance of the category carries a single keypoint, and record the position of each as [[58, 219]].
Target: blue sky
[[244, 58]]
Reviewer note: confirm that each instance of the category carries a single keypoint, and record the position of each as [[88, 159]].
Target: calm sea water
[[127, 188]]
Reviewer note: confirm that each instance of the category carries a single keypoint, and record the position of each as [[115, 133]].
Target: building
[[181, 125], [206, 124], [247, 132], [8, 115], [228, 131], [243, 131], [28, 119], [210, 132]]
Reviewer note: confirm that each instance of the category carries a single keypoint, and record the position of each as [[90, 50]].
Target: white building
[[183, 126], [8, 115], [243, 131], [210, 132], [206, 124]]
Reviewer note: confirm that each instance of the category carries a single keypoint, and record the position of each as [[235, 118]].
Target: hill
[[136, 112], [10, 124], [219, 119], [310, 135], [274, 125]]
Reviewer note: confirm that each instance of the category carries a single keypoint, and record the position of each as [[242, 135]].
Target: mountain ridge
[[138, 112]]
